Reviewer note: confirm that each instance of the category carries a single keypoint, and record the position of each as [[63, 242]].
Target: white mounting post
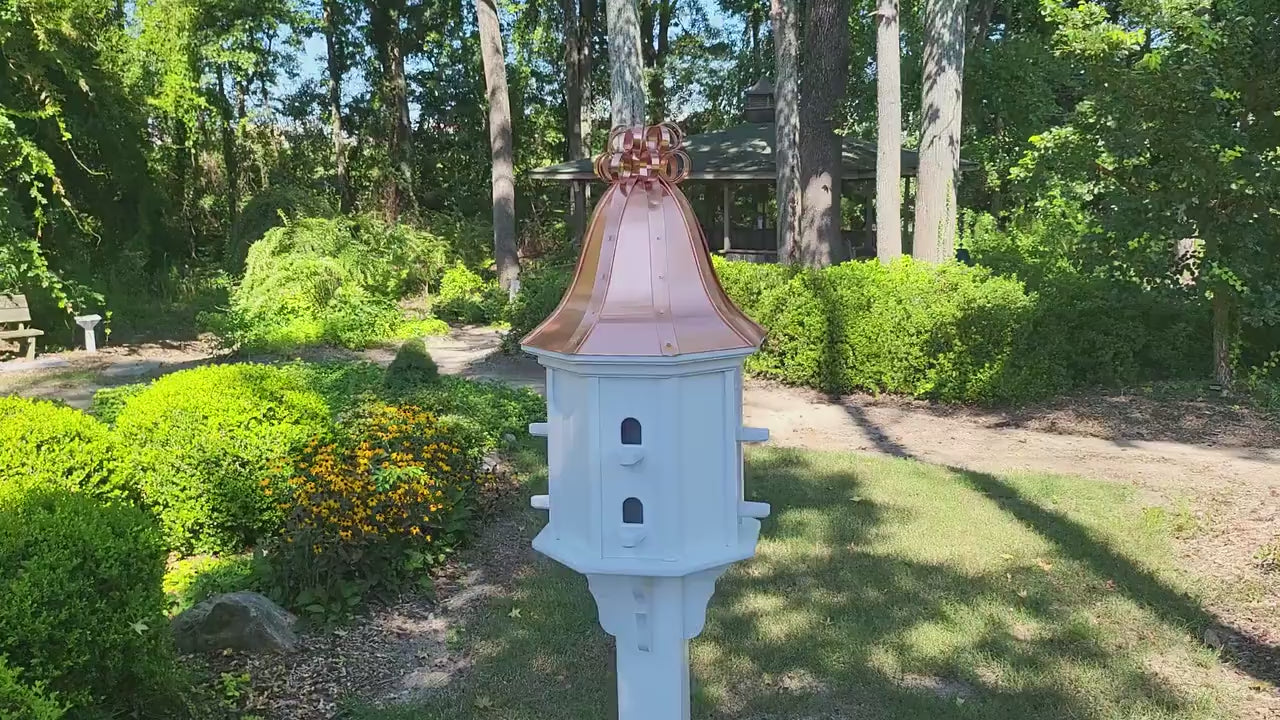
[[88, 323]]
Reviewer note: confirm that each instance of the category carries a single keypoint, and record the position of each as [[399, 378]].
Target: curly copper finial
[[644, 153]]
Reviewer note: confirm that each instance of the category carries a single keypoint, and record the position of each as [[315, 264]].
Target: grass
[[887, 589]]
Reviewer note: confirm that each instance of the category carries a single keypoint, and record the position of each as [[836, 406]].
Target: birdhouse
[[644, 429]]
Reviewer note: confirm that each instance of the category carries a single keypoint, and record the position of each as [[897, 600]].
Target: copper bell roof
[[644, 285]]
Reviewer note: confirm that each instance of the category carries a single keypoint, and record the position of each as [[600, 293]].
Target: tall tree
[[655, 35], [500, 145], [336, 66], [577, 65], [626, 64], [888, 132], [940, 103], [386, 31], [787, 126], [824, 74]]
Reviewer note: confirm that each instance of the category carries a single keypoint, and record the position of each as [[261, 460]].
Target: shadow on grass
[[845, 613], [817, 626], [1249, 654]]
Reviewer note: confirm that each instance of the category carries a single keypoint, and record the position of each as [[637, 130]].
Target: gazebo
[[734, 177]]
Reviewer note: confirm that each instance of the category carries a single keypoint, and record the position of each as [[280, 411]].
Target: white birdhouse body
[[645, 464], [644, 421]]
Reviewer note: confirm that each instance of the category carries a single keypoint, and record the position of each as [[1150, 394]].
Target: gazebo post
[[577, 210], [728, 203]]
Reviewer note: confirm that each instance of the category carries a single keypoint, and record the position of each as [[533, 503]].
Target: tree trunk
[[230, 153], [787, 127], [573, 112], [1222, 372], [586, 31], [655, 35], [385, 18], [982, 27], [500, 143], [333, 58], [939, 173], [824, 75], [889, 132], [626, 68]]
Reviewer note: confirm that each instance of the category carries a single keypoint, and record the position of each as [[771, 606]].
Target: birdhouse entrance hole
[[632, 511], [631, 431]]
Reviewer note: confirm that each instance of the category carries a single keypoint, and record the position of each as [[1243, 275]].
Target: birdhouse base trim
[[653, 619], [582, 560], [636, 366]]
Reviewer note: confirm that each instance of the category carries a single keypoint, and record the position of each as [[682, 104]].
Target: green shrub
[[465, 297], [268, 209], [951, 332], [369, 514], [201, 446], [44, 444], [1090, 332], [334, 281], [479, 413], [82, 611], [942, 331], [108, 401], [192, 580], [19, 701], [541, 288], [411, 368]]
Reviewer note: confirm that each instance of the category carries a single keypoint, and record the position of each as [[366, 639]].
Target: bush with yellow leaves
[[371, 513]]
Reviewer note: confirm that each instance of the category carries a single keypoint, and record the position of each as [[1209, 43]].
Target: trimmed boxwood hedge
[[947, 332], [204, 445], [46, 444], [82, 612]]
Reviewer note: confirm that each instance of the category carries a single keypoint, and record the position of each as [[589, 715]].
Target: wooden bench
[[14, 311]]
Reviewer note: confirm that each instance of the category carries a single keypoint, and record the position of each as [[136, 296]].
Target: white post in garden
[[644, 404], [88, 323]]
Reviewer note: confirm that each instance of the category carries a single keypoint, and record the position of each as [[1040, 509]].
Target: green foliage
[[19, 701], [272, 208], [82, 610], [1267, 557], [412, 367], [1263, 382], [192, 580], [44, 444], [202, 446], [367, 515], [465, 297], [541, 288], [335, 281], [478, 413], [955, 333], [109, 401], [943, 332]]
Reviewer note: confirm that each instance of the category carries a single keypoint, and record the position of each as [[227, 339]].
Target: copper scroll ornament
[[644, 285]]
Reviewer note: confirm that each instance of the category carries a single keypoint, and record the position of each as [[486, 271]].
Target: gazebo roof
[[745, 153]]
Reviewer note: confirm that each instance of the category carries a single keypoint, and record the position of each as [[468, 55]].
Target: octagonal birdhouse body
[[644, 359]]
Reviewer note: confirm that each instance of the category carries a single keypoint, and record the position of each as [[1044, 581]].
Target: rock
[[238, 621], [508, 439], [1216, 637], [492, 463]]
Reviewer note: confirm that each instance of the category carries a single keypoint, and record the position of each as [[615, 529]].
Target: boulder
[[238, 621]]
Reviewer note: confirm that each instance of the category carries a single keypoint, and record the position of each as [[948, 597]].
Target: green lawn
[[888, 589]]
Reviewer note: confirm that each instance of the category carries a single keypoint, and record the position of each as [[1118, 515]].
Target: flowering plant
[[371, 511]]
